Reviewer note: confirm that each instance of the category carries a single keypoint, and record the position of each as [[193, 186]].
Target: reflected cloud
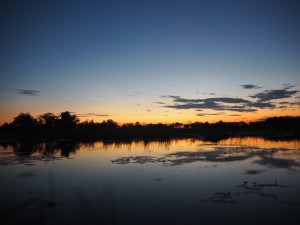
[[266, 157], [253, 172], [258, 189], [277, 162]]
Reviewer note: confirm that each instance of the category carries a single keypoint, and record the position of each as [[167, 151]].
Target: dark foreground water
[[235, 181]]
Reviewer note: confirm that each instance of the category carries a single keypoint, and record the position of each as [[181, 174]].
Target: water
[[186, 181]]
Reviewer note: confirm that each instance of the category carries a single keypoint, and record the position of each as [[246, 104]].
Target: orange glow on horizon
[[177, 116]]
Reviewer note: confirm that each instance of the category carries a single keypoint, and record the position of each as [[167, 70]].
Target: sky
[[150, 61]]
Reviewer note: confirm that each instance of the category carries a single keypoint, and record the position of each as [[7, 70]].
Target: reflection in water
[[266, 157], [255, 188], [185, 181]]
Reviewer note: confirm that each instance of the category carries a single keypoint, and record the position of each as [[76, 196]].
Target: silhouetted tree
[[109, 124], [67, 121], [24, 121], [48, 120], [178, 125]]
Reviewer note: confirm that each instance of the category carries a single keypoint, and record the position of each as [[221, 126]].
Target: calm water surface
[[237, 181]]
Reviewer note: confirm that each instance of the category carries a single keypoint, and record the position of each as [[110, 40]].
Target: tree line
[[68, 125]]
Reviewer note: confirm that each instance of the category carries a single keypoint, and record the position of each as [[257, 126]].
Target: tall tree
[[24, 121], [48, 120], [68, 121]]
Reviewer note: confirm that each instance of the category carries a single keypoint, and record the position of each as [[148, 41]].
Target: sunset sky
[[150, 61]]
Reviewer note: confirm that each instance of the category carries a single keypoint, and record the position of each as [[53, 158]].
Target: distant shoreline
[[210, 138], [68, 127]]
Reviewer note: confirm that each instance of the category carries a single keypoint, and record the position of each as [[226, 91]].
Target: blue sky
[[119, 57]]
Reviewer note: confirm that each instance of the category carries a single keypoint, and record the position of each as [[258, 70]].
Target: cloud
[[226, 100], [213, 106], [289, 86], [261, 100], [28, 92], [209, 93], [239, 109], [207, 100], [269, 95], [160, 103], [261, 105], [209, 114], [205, 105], [250, 86], [92, 114], [225, 103]]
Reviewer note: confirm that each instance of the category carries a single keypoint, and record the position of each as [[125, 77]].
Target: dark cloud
[[209, 93], [261, 105], [226, 100], [207, 100], [263, 100], [205, 105], [269, 95], [209, 104], [288, 86], [250, 86], [92, 114], [28, 92], [295, 103], [161, 103], [239, 109], [209, 114]]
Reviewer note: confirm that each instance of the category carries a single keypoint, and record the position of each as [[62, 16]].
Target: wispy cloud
[[209, 93], [92, 114], [289, 86], [213, 106], [135, 93], [160, 103], [28, 92], [261, 105], [209, 114], [233, 115], [207, 100], [250, 86]]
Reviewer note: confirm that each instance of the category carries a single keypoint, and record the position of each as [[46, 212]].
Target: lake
[[181, 181]]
